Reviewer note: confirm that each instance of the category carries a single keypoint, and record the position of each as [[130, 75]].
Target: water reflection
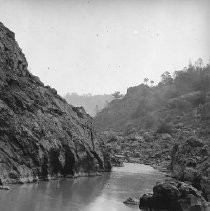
[[83, 194]]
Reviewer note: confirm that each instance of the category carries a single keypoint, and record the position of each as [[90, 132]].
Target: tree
[[152, 82], [146, 80], [117, 95], [199, 62], [190, 63], [166, 78]]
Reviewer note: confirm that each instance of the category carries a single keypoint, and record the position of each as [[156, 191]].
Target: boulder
[[146, 201], [165, 196], [173, 196]]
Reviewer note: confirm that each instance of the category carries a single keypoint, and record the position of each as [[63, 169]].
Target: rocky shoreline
[[183, 156], [173, 195]]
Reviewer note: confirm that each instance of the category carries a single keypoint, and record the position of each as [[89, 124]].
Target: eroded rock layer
[[40, 134]]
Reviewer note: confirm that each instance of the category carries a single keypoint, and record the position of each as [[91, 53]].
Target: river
[[101, 193]]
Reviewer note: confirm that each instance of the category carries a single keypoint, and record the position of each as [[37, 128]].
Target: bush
[[168, 118], [179, 103], [149, 121], [164, 127]]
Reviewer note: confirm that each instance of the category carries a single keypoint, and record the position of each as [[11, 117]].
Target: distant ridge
[[91, 103]]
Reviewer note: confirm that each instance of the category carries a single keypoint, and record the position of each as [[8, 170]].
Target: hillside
[[178, 99], [41, 135], [91, 103], [166, 126]]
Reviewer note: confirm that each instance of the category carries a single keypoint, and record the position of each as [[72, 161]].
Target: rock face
[[191, 162], [173, 196], [40, 134]]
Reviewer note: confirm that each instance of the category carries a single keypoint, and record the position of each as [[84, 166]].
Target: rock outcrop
[[173, 196], [41, 135], [191, 162]]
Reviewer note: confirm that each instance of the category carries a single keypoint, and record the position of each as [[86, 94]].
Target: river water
[[102, 193]]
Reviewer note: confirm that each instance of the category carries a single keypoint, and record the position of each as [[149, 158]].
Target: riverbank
[[183, 154], [100, 193]]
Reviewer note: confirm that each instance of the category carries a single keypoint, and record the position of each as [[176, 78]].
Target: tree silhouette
[[200, 62], [117, 95], [146, 80], [166, 78], [152, 82]]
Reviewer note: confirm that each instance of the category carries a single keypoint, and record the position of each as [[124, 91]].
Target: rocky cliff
[[41, 135], [190, 161]]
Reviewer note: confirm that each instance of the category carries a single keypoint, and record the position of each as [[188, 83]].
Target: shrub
[[149, 121], [164, 127], [179, 103]]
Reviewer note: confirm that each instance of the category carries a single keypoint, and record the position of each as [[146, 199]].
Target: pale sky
[[102, 46]]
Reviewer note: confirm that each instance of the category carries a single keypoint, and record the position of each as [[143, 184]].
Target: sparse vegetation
[[117, 95], [164, 127], [144, 106]]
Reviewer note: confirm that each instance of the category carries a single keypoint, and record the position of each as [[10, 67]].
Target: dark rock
[[146, 201], [165, 196], [173, 196], [40, 134]]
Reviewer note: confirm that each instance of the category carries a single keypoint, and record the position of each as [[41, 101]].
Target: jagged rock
[[176, 196], [164, 197], [190, 162], [40, 134]]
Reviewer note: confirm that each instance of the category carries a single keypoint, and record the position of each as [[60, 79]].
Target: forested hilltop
[[179, 98]]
